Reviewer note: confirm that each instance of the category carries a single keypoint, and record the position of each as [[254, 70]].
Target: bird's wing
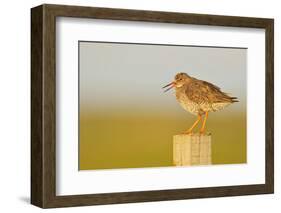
[[197, 93], [204, 92], [218, 95]]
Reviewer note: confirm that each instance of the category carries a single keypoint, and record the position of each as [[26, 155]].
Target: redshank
[[199, 98]]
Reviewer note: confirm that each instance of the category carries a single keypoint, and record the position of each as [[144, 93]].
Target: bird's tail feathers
[[234, 99]]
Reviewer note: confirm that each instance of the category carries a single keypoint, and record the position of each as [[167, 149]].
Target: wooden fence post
[[189, 150]]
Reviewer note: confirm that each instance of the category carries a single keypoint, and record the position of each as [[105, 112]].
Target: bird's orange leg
[[202, 130], [189, 131]]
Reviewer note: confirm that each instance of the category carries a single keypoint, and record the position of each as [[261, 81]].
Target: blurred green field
[[134, 140]]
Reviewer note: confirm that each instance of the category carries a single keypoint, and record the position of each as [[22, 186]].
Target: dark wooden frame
[[43, 105]]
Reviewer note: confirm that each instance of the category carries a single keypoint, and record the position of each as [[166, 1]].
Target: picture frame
[[43, 105]]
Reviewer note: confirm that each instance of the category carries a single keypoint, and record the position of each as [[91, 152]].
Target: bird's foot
[[204, 133], [188, 132], [201, 132]]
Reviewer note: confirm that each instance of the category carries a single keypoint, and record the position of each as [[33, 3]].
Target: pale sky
[[117, 75]]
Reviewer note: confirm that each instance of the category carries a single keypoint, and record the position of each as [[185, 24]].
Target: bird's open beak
[[170, 86]]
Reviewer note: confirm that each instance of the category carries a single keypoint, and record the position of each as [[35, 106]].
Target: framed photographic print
[[135, 106]]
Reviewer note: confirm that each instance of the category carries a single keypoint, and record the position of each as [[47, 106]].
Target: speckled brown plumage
[[199, 97]]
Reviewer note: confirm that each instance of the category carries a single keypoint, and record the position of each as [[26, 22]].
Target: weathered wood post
[[191, 150]]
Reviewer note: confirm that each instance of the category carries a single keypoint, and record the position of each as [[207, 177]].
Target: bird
[[198, 97]]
